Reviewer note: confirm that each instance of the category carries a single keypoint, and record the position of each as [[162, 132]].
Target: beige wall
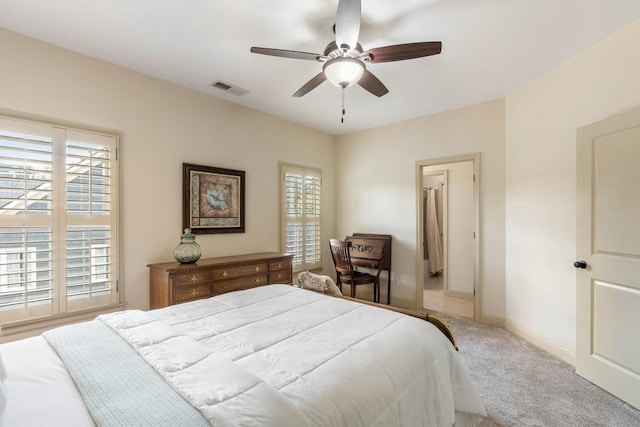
[[542, 119], [376, 175], [161, 126]]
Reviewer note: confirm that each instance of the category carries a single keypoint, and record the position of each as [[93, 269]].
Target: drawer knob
[[257, 268], [258, 280], [279, 265], [193, 278], [194, 292], [279, 276], [225, 274]]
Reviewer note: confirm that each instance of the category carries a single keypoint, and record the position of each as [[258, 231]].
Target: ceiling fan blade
[[286, 53], [400, 52], [310, 85], [348, 23], [373, 84]]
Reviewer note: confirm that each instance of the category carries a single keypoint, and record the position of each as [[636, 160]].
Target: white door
[[460, 230], [608, 241]]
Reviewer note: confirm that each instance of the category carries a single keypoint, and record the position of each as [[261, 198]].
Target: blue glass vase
[[187, 251]]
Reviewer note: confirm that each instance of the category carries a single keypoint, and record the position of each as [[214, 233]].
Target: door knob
[[580, 264]]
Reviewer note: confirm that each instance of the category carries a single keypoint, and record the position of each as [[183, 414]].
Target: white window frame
[[59, 221], [301, 261]]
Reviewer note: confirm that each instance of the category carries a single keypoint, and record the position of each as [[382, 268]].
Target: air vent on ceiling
[[236, 90]]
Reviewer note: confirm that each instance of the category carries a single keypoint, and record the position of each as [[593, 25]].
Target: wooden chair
[[346, 273]]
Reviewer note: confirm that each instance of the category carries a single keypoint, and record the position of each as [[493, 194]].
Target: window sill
[[29, 328]]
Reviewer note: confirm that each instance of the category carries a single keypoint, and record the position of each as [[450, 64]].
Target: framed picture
[[213, 199]]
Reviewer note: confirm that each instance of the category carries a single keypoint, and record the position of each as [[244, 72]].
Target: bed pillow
[[318, 282]]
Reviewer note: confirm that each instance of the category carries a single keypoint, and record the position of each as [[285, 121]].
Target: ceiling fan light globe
[[343, 72]]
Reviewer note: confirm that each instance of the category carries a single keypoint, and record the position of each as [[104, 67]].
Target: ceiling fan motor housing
[[333, 51]]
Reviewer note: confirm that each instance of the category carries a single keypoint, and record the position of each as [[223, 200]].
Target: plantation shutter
[[90, 223], [57, 220], [302, 216], [26, 218]]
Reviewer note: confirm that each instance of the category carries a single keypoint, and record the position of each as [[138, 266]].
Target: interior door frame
[[477, 285]]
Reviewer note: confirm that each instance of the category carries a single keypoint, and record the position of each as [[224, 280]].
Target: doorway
[[448, 239]]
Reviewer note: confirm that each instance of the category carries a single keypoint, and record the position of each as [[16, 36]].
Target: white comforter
[[281, 356]]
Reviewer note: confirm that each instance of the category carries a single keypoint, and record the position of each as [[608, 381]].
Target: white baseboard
[[542, 342], [496, 321]]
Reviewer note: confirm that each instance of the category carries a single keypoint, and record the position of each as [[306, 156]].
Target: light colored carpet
[[522, 385]]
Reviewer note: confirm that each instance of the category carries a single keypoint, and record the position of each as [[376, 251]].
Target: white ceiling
[[490, 47]]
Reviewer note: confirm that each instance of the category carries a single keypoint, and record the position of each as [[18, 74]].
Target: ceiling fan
[[344, 59]]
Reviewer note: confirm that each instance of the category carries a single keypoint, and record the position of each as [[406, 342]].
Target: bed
[[273, 355]]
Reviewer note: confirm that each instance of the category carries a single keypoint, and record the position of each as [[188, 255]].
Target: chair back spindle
[[345, 271], [340, 253]]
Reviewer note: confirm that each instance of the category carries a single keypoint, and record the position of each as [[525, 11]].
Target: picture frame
[[213, 199]]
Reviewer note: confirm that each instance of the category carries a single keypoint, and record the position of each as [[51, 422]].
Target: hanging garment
[[432, 231]]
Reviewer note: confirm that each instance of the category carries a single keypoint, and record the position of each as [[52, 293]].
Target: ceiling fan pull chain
[[343, 109]]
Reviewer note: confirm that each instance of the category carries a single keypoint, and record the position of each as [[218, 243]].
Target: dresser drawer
[[174, 283], [280, 277], [240, 283], [284, 264], [189, 279], [188, 293], [244, 270]]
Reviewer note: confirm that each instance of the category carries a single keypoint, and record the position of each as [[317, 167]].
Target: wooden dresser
[[174, 283]]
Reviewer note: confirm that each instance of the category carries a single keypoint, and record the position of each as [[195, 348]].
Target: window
[[58, 220], [301, 216]]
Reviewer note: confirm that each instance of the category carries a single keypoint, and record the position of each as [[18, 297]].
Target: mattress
[[264, 355]]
